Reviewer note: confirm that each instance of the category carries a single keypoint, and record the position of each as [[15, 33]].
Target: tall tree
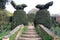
[[3, 3], [31, 17]]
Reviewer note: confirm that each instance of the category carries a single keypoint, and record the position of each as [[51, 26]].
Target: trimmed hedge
[[19, 17], [43, 17]]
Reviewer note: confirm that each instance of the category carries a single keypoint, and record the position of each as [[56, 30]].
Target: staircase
[[30, 34]]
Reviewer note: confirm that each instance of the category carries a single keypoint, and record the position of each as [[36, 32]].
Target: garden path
[[30, 34]]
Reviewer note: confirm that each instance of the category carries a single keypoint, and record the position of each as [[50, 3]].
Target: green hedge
[[43, 34], [19, 17], [43, 17]]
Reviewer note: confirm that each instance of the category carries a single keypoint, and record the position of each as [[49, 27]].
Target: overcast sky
[[55, 9]]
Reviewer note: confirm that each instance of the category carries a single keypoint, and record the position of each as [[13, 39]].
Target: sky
[[54, 9]]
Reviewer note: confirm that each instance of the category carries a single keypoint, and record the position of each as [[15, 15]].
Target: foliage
[[4, 29], [20, 30], [54, 21], [4, 16], [10, 19], [9, 14], [31, 17], [4, 22], [43, 34], [4, 25], [56, 30], [43, 17], [3, 3], [19, 17], [24, 30], [14, 35]]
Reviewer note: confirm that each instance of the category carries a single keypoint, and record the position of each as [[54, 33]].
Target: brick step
[[30, 36], [30, 29], [31, 33], [29, 39]]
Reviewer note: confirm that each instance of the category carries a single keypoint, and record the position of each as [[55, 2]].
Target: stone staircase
[[30, 34]]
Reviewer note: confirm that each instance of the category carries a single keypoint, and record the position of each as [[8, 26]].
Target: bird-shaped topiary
[[18, 7], [43, 15], [19, 16], [46, 6]]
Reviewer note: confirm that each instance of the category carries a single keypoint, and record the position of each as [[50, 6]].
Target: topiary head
[[40, 6], [46, 6], [24, 5], [18, 7]]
